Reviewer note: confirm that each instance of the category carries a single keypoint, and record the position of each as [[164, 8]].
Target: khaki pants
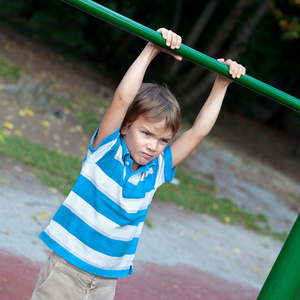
[[61, 280]]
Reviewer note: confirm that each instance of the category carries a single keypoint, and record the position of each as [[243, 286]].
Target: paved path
[[184, 256]]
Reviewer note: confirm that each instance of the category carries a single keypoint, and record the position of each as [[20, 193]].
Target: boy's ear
[[123, 130]]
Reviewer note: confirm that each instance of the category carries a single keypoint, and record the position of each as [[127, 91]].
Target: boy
[[95, 232]]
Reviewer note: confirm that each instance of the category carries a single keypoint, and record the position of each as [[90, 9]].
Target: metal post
[[186, 52], [283, 281]]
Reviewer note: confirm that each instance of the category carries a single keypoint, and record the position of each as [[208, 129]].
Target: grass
[[60, 171], [9, 71], [55, 169], [193, 194]]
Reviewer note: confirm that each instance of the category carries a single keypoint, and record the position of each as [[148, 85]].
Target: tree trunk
[[239, 44], [141, 14], [177, 16], [214, 47], [174, 27], [236, 48], [194, 35]]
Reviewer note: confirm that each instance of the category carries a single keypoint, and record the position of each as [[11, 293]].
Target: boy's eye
[[145, 133], [165, 141]]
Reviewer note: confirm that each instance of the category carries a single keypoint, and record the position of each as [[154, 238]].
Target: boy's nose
[[152, 146]]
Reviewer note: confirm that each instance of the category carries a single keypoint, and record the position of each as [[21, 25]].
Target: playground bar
[[186, 52], [283, 281]]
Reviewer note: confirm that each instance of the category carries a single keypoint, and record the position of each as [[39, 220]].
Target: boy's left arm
[[190, 139]]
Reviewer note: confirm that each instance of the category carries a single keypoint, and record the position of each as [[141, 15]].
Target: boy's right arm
[[130, 84]]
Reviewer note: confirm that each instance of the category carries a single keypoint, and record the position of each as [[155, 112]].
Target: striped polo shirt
[[98, 226]]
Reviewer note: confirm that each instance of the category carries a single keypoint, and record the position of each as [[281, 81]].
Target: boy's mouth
[[146, 155]]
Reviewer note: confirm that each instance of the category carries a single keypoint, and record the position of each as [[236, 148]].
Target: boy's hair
[[154, 102]]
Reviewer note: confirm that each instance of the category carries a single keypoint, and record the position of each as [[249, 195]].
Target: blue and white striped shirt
[[98, 226]]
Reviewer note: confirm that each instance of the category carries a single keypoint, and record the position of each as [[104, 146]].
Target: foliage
[[288, 20], [83, 35], [9, 71], [269, 52]]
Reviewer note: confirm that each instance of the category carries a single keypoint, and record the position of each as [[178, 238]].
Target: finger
[[241, 71], [163, 32], [244, 71], [233, 68], [230, 64], [178, 57], [169, 38], [178, 42], [174, 40]]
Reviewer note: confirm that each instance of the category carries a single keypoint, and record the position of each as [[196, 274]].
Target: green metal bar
[[186, 52], [283, 281]]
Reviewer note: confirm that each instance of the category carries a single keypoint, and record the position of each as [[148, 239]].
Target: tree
[[236, 48], [194, 35], [216, 44]]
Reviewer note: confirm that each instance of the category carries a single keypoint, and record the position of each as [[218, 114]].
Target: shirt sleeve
[[169, 172], [107, 140], [94, 154], [165, 172]]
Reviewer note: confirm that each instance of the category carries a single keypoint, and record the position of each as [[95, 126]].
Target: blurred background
[[59, 67], [262, 35]]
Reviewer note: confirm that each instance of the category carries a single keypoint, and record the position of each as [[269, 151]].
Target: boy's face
[[146, 140]]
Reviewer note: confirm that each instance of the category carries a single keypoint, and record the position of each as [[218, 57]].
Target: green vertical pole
[[283, 282], [186, 52]]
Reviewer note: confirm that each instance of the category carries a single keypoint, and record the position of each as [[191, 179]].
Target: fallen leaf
[[29, 111], [265, 239], [40, 216], [18, 133], [8, 125], [44, 214], [181, 233], [219, 249], [53, 190], [3, 279], [45, 123], [237, 250], [227, 220], [194, 238], [67, 111], [255, 270], [175, 286], [8, 233], [22, 113]]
